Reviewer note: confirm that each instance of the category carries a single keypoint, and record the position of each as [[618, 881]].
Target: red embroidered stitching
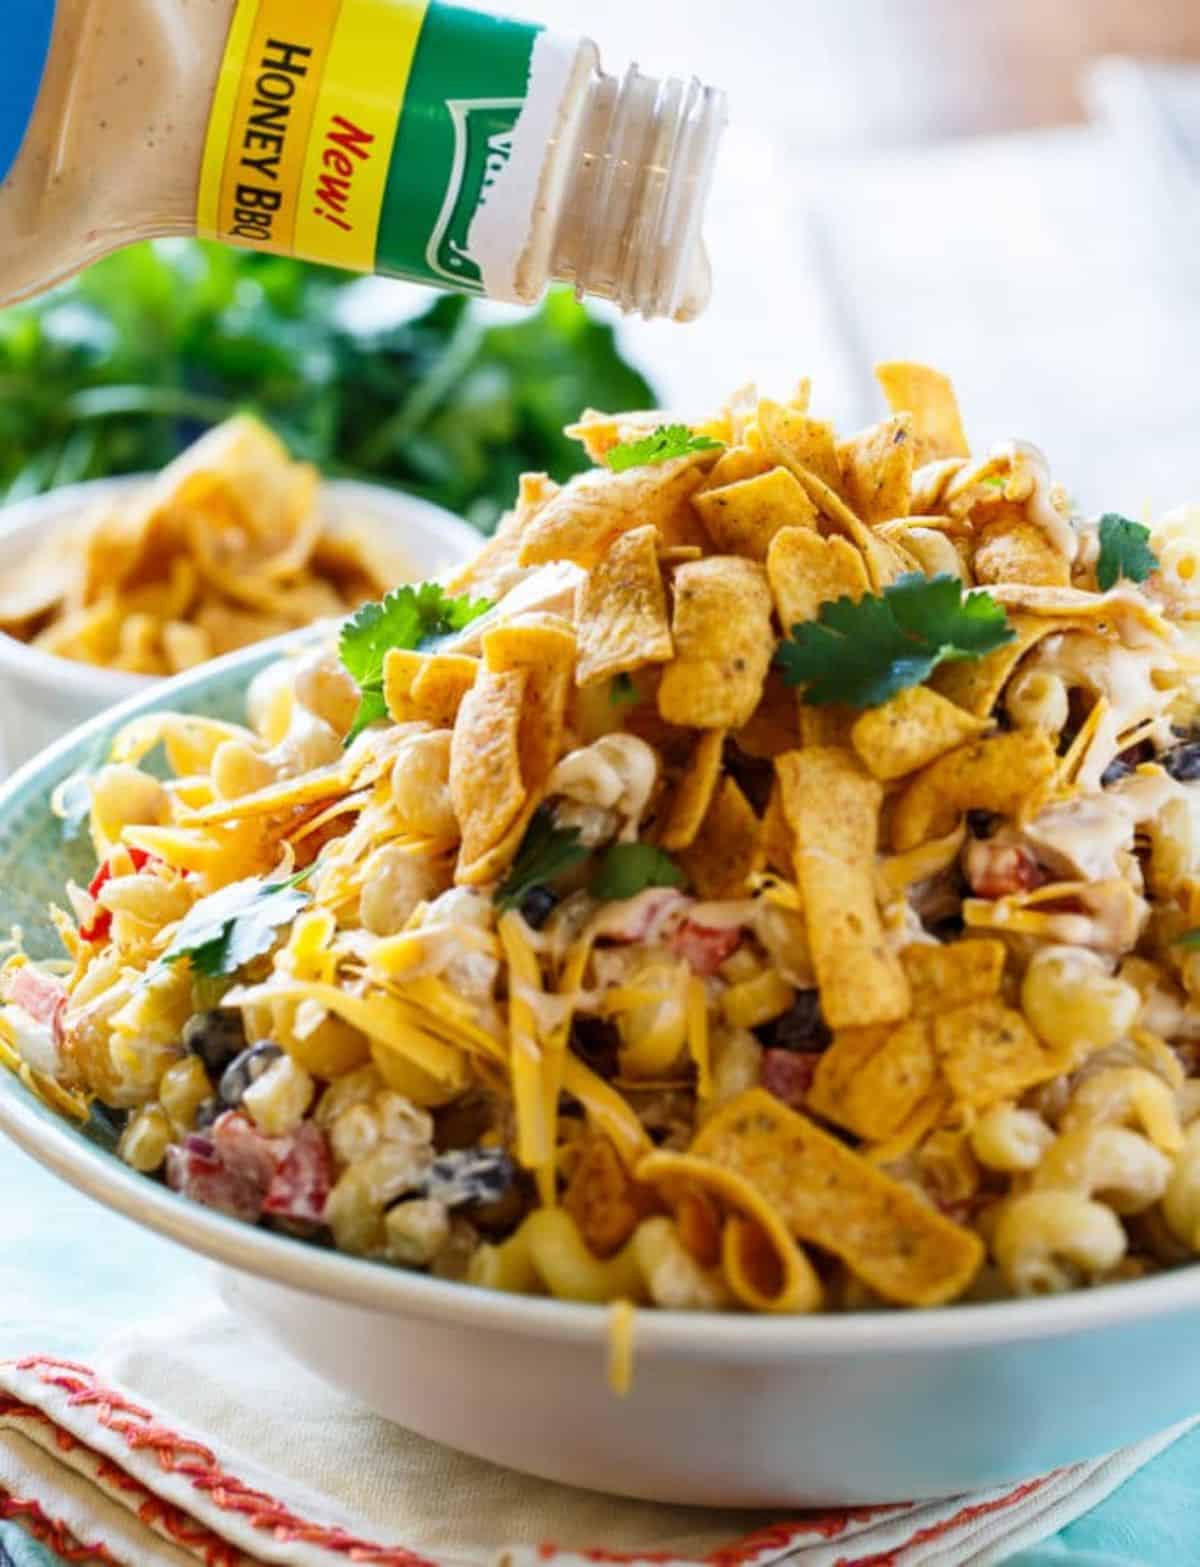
[[152, 1510], [50, 1531], [936, 1530], [195, 1462], [775, 1537]]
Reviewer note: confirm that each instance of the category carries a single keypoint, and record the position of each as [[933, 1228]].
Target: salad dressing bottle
[[420, 140]]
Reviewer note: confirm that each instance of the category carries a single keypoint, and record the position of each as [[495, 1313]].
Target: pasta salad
[[766, 878]]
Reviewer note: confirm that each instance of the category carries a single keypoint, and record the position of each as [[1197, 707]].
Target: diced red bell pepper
[[100, 926], [705, 947], [237, 1170], [196, 1170], [303, 1177], [788, 1074]]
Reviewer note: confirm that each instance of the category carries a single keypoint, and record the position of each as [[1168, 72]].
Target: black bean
[[1121, 766], [1183, 761], [216, 1037], [468, 1177], [246, 1069], [538, 904], [753, 775], [983, 823], [801, 1027], [464, 1121], [949, 927], [597, 1044]]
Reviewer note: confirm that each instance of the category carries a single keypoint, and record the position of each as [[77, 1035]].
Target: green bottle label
[[371, 134], [466, 93]]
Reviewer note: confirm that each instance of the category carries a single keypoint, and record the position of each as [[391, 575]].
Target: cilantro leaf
[[629, 868], [411, 617], [623, 691], [1124, 551], [228, 929], [668, 441], [546, 851], [861, 653], [1190, 938]]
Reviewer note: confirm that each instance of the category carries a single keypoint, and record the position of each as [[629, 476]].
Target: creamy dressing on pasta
[[1127, 678], [1027, 459]]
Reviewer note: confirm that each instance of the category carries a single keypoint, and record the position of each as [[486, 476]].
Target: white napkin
[[192, 1440]]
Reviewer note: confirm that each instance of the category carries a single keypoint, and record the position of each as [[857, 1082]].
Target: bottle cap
[[29, 24]]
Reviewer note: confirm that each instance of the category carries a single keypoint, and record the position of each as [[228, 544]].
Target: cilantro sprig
[[546, 851], [664, 443], [862, 652], [1190, 938], [1124, 552], [623, 691], [629, 868], [410, 618], [232, 927]]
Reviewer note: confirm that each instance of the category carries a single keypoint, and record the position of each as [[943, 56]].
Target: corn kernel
[[402, 1122], [394, 1170], [354, 1136], [758, 1000], [416, 1232], [356, 1088], [278, 1100], [183, 1089], [355, 1219], [330, 1050], [145, 1140], [741, 965]]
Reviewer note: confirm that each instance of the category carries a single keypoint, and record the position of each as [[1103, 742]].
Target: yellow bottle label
[[304, 124]]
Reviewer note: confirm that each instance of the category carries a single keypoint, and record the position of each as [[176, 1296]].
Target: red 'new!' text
[[345, 142]]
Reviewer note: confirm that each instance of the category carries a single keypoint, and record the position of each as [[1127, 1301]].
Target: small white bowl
[[43, 697]]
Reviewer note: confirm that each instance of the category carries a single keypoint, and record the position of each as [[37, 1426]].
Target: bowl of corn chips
[[112, 584], [700, 1001]]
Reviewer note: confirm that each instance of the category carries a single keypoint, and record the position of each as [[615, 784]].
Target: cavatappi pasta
[[766, 879]]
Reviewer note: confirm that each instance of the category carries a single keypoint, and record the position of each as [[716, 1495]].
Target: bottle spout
[[631, 226]]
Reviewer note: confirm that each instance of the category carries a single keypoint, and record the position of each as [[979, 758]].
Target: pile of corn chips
[[229, 545], [766, 878]]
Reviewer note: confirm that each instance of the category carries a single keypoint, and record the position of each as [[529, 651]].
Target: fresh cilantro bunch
[[410, 618], [228, 929], [1124, 552], [122, 368], [665, 443], [862, 652]]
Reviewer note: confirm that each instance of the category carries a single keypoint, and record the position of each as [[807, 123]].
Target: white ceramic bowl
[[731, 1410], [43, 697]]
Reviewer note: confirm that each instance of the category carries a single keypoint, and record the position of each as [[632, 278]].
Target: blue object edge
[[28, 26]]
